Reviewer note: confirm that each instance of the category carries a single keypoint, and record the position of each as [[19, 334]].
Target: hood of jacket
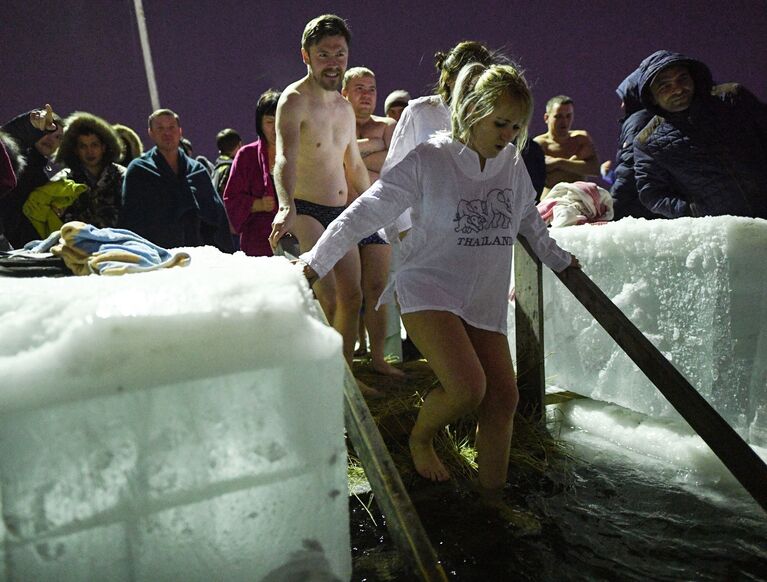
[[660, 60], [628, 93]]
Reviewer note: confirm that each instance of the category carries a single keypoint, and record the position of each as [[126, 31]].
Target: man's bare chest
[[563, 149], [323, 131]]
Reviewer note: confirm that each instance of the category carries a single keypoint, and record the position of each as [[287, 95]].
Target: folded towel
[[576, 203], [106, 251]]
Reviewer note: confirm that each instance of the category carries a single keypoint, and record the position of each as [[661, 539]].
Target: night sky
[[213, 59]]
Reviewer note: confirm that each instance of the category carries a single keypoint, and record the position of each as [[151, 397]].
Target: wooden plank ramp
[[402, 520]]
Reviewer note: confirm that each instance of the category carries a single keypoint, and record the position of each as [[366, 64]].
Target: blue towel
[[106, 251]]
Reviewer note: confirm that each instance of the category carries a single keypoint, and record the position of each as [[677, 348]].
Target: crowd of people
[[447, 181]]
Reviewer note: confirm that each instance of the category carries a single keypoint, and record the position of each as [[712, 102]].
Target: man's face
[[327, 61], [90, 151], [673, 88], [560, 119], [49, 143], [361, 93], [165, 132]]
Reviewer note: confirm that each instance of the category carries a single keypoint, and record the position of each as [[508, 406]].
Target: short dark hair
[[266, 105], [82, 123], [161, 112], [450, 64], [226, 140], [558, 100], [326, 25]]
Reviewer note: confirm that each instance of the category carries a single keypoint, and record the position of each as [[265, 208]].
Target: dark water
[[605, 519]]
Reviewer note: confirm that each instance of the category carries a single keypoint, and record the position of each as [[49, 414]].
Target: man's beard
[[329, 83]]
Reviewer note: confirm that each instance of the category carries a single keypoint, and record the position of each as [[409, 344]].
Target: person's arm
[[585, 162], [656, 186], [356, 172], [243, 194], [29, 127], [534, 229], [289, 114], [136, 197], [374, 151], [402, 141]]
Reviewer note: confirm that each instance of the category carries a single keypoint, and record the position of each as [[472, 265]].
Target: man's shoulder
[[645, 135], [294, 97], [144, 162]]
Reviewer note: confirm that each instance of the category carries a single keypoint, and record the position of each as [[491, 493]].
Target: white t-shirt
[[421, 119], [457, 257]]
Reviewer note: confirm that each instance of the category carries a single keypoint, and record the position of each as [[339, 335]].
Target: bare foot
[[525, 521], [426, 461], [369, 392], [385, 368]]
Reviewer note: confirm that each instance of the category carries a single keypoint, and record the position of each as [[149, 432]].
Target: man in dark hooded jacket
[[705, 151]]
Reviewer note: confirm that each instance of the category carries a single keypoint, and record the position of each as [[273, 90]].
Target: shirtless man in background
[[373, 139], [316, 139], [570, 154]]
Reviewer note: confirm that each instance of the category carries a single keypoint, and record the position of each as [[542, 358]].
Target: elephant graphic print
[[478, 215]]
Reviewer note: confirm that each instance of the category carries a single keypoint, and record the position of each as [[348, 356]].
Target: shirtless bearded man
[[570, 154], [316, 139]]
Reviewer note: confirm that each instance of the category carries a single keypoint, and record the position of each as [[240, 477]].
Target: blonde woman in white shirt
[[470, 196]]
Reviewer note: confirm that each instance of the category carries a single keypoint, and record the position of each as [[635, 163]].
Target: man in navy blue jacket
[[705, 151], [168, 197]]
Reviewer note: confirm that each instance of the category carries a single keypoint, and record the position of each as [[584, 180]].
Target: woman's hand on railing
[[574, 262]]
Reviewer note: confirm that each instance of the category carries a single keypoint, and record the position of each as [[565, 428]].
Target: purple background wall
[[212, 61]]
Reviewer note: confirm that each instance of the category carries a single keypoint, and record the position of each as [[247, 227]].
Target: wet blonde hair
[[476, 94]]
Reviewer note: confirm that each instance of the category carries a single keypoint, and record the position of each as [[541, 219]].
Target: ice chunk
[[697, 288], [176, 425]]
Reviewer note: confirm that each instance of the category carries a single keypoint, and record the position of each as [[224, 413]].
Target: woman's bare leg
[[496, 412], [443, 340]]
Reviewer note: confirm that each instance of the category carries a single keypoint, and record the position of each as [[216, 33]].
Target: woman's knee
[[500, 403], [372, 290], [472, 393]]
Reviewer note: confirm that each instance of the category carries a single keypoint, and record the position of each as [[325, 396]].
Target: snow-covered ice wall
[[697, 288], [184, 424]]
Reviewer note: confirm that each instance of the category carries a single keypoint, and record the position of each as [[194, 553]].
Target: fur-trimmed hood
[[663, 59], [82, 123], [18, 161]]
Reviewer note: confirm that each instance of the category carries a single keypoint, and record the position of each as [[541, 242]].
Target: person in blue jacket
[[704, 153], [168, 197], [624, 192]]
